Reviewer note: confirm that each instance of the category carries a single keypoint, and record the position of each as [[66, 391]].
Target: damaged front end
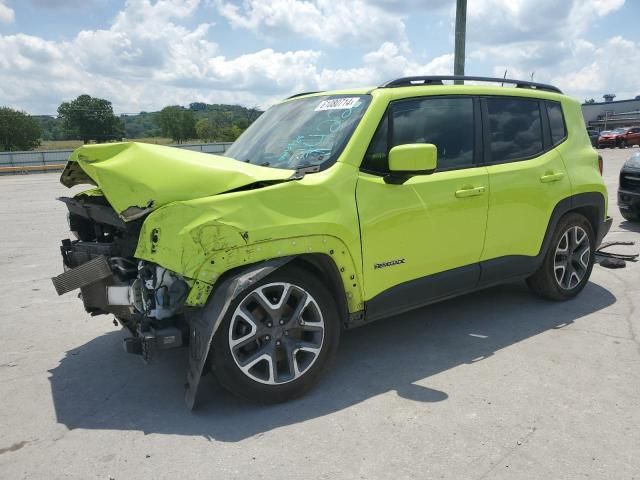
[[146, 298]]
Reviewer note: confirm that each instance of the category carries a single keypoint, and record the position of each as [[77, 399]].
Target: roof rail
[[437, 80], [303, 93]]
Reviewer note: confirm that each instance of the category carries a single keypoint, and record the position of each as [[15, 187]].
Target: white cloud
[[7, 15], [326, 21], [601, 70], [386, 63], [542, 36], [155, 53], [148, 58]]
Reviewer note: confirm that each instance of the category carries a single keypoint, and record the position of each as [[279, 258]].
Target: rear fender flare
[[590, 204]]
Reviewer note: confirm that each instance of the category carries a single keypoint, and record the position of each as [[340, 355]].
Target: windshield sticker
[[337, 104]]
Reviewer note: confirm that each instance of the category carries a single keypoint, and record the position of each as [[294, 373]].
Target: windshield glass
[[301, 133], [620, 130], [606, 132]]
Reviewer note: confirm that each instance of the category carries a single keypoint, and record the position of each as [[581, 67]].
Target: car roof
[[406, 87]]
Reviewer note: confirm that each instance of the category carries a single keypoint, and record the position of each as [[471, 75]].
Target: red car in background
[[620, 137]]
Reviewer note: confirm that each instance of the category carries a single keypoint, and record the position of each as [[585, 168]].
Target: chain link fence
[[24, 162]]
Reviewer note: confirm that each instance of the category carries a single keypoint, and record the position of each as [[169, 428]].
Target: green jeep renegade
[[332, 210]]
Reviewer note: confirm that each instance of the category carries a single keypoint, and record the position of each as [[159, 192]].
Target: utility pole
[[461, 33]]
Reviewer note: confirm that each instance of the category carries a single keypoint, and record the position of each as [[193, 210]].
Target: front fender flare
[[217, 264], [204, 322]]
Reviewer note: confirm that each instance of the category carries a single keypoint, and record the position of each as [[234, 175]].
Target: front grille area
[[630, 181]]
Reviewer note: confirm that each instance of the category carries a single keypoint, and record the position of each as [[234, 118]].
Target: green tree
[[230, 133], [177, 122], [204, 130], [90, 118], [18, 130]]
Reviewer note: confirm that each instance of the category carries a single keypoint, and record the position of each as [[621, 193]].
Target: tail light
[[600, 163]]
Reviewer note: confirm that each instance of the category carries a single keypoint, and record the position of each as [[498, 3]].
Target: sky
[[145, 54]]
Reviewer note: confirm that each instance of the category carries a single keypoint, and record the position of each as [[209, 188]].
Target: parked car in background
[[606, 139], [620, 137], [629, 189], [593, 136]]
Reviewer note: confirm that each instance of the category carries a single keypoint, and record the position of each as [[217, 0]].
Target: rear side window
[[556, 122], [515, 129], [448, 123]]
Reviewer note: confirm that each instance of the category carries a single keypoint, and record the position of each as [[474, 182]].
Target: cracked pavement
[[496, 384]]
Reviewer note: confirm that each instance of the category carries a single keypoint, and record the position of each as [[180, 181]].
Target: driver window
[[447, 123]]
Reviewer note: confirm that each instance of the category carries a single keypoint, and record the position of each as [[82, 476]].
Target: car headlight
[[634, 161]]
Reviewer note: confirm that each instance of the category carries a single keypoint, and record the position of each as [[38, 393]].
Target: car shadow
[[630, 226], [97, 386]]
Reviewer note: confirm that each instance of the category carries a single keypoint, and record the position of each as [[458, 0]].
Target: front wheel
[[622, 144], [277, 338], [567, 265]]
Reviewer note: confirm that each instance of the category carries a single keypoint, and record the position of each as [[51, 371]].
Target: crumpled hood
[[137, 178]]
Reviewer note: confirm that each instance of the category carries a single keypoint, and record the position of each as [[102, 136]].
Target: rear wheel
[[568, 262], [277, 338]]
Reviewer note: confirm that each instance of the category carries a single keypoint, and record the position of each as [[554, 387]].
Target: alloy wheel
[[276, 333], [572, 257]]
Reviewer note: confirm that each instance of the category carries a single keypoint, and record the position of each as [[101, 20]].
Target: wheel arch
[[325, 256], [589, 204], [326, 270]]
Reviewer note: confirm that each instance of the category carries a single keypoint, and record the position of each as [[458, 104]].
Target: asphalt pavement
[[494, 385]]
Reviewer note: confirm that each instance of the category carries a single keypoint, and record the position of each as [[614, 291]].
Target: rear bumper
[[605, 226], [628, 200]]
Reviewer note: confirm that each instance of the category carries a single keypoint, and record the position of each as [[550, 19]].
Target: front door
[[422, 240]]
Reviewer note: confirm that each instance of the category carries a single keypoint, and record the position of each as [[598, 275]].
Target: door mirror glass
[[415, 158]]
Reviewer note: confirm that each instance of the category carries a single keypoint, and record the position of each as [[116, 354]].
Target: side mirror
[[406, 161]]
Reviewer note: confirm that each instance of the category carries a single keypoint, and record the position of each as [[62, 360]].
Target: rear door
[[527, 178]]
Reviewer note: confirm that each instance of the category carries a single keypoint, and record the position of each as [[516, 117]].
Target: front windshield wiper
[[264, 164], [302, 170]]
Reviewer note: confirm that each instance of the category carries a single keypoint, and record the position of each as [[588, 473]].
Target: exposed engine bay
[[146, 298]]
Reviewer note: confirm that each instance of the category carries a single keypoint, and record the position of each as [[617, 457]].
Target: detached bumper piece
[[149, 342], [612, 259], [82, 276], [605, 226]]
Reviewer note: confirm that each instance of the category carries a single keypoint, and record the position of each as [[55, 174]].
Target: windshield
[[606, 132], [301, 133], [620, 130]]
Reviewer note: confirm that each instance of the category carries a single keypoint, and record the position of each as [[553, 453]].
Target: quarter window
[[515, 129], [556, 122], [445, 122]]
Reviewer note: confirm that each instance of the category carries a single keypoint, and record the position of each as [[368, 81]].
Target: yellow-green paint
[[199, 229], [416, 157], [143, 175], [420, 223]]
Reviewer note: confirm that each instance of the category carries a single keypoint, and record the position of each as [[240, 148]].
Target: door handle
[[470, 192], [551, 177]]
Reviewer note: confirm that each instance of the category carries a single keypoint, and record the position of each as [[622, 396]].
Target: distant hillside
[[221, 117]]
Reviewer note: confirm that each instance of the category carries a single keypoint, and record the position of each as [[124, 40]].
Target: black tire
[[622, 144], [630, 216], [227, 369], [544, 282]]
